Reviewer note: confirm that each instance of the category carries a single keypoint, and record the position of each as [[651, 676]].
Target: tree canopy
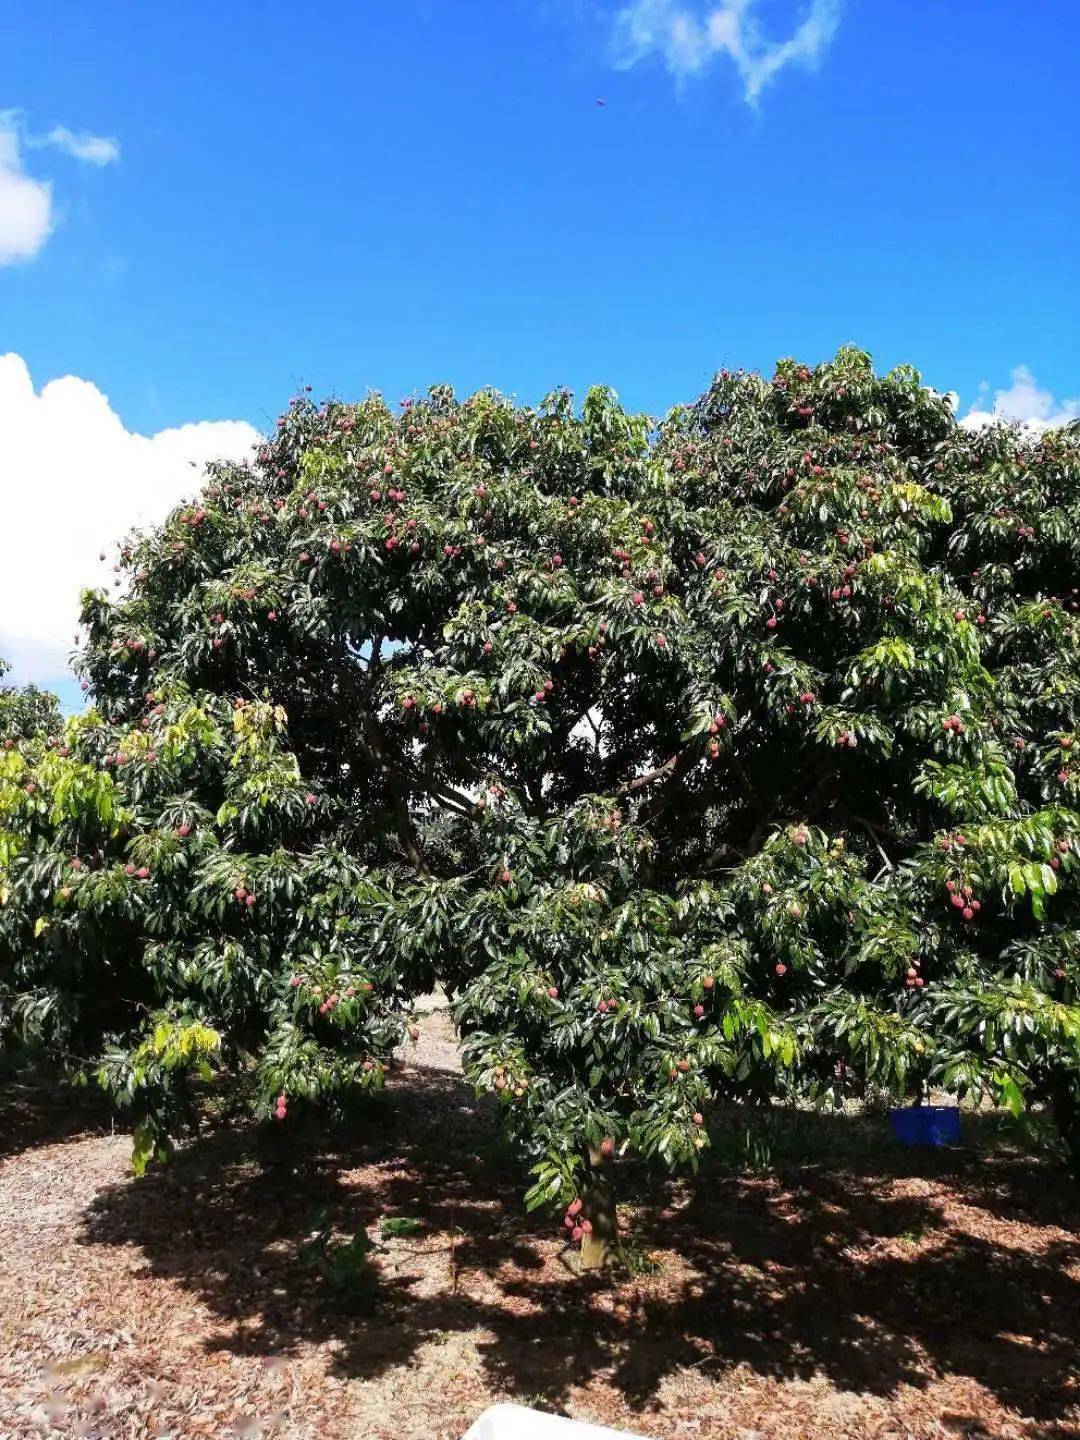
[[26, 710], [726, 756]]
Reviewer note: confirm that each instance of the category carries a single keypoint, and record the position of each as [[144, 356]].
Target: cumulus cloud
[[73, 481], [689, 38], [26, 202], [1024, 400]]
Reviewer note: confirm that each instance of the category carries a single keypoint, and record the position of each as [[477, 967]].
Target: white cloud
[[73, 481], [26, 208], [1025, 401], [25, 204], [688, 38], [92, 149]]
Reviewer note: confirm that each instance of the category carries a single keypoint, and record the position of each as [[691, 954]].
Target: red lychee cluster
[[963, 898], [576, 1221]]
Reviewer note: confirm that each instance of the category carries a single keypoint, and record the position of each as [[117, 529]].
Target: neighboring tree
[[26, 710], [724, 758]]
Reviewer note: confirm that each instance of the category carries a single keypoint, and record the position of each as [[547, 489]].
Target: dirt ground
[[852, 1291]]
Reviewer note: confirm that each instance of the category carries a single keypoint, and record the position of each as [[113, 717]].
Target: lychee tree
[[26, 710], [170, 901], [726, 757]]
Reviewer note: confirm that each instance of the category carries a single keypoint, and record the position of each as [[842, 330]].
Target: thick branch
[[446, 795], [399, 793]]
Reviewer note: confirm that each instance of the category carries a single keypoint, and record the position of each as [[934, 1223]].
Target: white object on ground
[[515, 1422]]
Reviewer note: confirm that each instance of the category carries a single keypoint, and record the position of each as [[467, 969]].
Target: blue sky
[[354, 194]]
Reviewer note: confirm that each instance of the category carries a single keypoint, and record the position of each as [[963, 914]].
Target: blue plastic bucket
[[926, 1125]]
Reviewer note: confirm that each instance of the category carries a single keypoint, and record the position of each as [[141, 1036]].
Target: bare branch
[[640, 782]]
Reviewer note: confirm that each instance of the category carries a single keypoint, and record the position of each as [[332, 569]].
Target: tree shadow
[[41, 1108], [829, 1268], [832, 1275]]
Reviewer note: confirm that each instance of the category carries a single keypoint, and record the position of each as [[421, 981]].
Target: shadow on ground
[[39, 1108], [844, 1264]]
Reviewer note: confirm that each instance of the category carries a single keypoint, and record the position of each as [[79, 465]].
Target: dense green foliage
[[724, 757], [27, 711]]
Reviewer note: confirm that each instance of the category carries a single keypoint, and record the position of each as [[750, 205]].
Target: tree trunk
[[598, 1197], [1065, 1102]]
